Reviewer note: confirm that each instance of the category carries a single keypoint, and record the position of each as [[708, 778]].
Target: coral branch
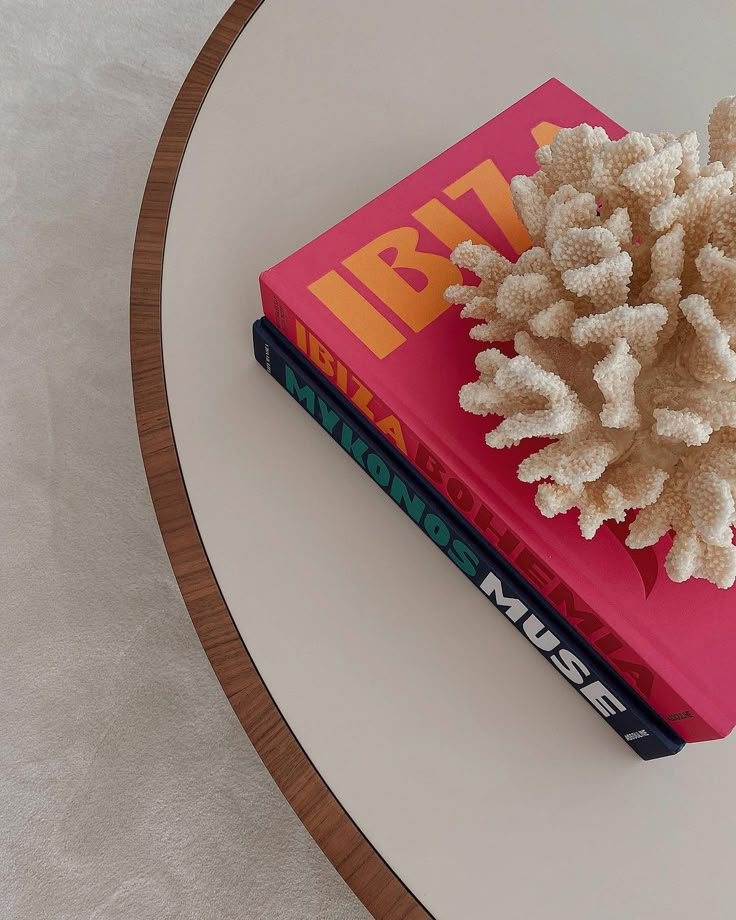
[[617, 491], [710, 357], [722, 131], [616, 375], [639, 326]]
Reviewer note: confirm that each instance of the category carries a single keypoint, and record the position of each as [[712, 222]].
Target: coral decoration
[[622, 316]]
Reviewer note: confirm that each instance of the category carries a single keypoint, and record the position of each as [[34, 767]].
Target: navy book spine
[[646, 732]]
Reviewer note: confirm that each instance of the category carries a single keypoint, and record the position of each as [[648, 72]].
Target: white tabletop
[[489, 787]]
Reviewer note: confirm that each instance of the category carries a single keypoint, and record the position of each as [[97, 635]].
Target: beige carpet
[[127, 787]]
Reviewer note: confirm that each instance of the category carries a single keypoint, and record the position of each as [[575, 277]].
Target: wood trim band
[[384, 895]]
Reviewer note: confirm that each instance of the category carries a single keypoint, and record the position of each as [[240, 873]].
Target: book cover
[[364, 303], [586, 671]]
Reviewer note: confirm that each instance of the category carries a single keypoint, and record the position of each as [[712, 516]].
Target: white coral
[[623, 318]]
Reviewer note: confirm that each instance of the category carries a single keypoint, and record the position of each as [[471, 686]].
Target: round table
[[439, 765]]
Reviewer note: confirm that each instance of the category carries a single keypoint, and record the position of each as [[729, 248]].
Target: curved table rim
[[356, 860]]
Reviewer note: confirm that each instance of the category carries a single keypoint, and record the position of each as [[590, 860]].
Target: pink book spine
[[634, 670]]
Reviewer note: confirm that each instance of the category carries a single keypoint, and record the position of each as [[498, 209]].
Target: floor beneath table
[[128, 788]]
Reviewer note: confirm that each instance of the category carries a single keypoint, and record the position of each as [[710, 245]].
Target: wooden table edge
[[357, 861]]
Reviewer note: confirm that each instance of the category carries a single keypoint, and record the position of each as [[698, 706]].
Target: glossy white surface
[[482, 779]]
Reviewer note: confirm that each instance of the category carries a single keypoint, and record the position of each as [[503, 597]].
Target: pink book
[[364, 301]]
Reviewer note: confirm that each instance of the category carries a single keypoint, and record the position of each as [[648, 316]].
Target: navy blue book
[[646, 733]]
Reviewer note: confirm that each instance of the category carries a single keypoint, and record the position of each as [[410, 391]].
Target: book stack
[[356, 329]]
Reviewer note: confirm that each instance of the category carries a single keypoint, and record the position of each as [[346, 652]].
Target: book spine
[[491, 527], [642, 729]]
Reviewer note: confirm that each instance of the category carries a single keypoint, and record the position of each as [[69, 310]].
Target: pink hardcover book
[[364, 302]]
